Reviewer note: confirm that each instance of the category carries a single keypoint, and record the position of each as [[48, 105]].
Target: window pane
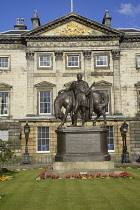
[[45, 61], [45, 102], [4, 103], [4, 62], [110, 137], [138, 61], [101, 60], [43, 139], [4, 135], [73, 61]]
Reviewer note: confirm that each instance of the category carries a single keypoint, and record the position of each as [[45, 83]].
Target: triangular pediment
[[44, 84], [72, 25], [5, 86]]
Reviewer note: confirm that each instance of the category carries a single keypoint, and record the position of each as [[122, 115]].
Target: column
[[30, 83], [117, 82], [59, 70], [87, 64]]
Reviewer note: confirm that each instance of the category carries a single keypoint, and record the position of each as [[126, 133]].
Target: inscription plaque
[[84, 143]]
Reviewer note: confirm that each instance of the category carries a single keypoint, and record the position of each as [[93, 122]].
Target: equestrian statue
[[80, 101]]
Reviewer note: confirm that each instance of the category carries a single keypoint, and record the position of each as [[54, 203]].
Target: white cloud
[[129, 9]]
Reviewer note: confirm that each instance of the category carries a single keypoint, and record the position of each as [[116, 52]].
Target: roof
[[13, 33], [129, 30]]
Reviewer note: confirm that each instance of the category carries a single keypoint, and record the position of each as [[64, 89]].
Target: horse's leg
[[104, 116], [68, 109], [95, 120]]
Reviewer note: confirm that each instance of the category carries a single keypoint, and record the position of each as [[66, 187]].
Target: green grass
[[26, 193]]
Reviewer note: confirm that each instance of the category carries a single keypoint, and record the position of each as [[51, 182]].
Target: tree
[[7, 153]]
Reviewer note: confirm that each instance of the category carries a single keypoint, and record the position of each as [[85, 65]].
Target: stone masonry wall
[[135, 138]]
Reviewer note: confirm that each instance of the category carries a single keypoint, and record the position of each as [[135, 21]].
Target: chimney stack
[[20, 24], [106, 20], [35, 20]]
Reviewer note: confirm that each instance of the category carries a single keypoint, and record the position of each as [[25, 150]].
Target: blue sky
[[124, 13]]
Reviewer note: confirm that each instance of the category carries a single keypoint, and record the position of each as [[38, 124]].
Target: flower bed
[[5, 177], [45, 175]]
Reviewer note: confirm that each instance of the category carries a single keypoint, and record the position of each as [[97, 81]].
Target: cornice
[[134, 38], [12, 40], [73, 38]]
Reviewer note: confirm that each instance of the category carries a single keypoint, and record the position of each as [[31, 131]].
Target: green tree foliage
[[7, 153]]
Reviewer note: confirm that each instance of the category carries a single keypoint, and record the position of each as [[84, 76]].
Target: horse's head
[[57, 110]]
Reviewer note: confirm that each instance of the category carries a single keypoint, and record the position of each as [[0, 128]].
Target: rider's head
[[79, 76]]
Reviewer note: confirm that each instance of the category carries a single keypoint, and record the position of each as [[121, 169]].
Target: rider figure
[[81, 91]]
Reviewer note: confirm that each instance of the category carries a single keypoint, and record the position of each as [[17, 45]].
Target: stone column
[[87, 64], [59, 70], [117, 82], [30, 83]]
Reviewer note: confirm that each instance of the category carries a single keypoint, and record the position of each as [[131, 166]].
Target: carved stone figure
[[81, 101]]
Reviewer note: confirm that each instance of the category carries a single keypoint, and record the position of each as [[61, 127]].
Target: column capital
[[115, 54], [58, 55], [30, 55], [87, 54]]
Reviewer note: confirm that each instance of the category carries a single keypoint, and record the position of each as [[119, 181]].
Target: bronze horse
[[64, 99], [98, 102]]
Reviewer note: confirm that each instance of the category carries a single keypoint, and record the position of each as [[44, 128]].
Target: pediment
[[103, 83], [72, 25], [5, 86], [44, 84]]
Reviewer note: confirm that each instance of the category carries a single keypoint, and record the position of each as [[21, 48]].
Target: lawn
[[24, 192]]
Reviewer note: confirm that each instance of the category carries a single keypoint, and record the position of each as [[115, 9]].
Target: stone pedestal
[[82, 144]]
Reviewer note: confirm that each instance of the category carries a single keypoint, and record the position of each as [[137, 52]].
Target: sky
[[124, 13]]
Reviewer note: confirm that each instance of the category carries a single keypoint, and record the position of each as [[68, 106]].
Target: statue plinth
[[82, 144]]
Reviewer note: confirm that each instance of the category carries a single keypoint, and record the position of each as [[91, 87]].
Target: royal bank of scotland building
[[35, 64]]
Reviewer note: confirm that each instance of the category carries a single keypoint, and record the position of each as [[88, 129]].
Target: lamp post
[[125, 154], [26, 154]]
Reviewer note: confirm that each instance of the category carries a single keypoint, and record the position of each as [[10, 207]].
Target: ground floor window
[[4, 135], [110, 138], [43, 139]]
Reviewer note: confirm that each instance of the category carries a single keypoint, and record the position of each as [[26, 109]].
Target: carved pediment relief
[[44, 84], [72, 29], [103, 83], [5, 86]]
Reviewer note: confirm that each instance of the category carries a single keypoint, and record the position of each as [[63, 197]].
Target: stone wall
[[135, 138], [14, 132]]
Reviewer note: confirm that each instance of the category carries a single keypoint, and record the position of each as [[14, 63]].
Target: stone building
[[35, 64]]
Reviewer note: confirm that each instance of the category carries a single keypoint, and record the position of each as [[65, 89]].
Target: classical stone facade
[[35, 64]]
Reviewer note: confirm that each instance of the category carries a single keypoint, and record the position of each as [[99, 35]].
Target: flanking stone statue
[[80, 101]]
